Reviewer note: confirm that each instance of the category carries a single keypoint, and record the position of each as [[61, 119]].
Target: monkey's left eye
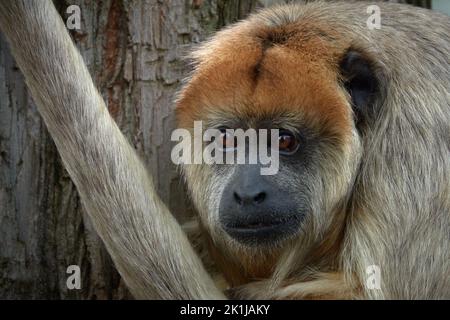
[[288, 143]]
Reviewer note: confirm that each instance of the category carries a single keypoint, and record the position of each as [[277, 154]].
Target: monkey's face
[[303, 90], [240, 205], [297, 200]]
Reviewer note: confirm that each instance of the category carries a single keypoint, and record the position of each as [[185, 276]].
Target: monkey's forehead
[[253, 70]]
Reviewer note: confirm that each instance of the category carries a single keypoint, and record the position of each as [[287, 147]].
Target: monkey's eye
[[288, 143], [227, 141]]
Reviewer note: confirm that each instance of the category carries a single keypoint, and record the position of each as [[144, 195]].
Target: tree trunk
[[133, 50]]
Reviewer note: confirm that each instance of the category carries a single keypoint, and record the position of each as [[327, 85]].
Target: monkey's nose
[[249, 197]]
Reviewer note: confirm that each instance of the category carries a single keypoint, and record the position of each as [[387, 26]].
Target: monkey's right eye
[[227, 140], [288, 143]]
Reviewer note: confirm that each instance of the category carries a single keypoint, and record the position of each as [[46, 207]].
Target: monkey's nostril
[[237, 198], [249, 199], [260, 197]]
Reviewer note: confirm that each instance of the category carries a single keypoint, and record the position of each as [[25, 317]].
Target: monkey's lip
[[256, 225], [261, 230], [259, 223]]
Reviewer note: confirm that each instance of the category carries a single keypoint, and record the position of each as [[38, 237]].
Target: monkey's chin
[[264, 234]]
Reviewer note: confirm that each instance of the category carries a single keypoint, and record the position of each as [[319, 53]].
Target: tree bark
[[134, 51]]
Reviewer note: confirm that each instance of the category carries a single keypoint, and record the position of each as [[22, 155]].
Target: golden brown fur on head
[[252, 70]]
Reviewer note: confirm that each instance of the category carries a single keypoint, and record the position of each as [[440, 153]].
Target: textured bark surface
[[133, 50]]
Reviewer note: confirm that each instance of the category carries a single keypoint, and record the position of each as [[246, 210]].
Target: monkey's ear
[[361, 83]]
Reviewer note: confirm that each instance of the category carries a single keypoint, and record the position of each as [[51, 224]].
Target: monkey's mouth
[[261, 231]]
